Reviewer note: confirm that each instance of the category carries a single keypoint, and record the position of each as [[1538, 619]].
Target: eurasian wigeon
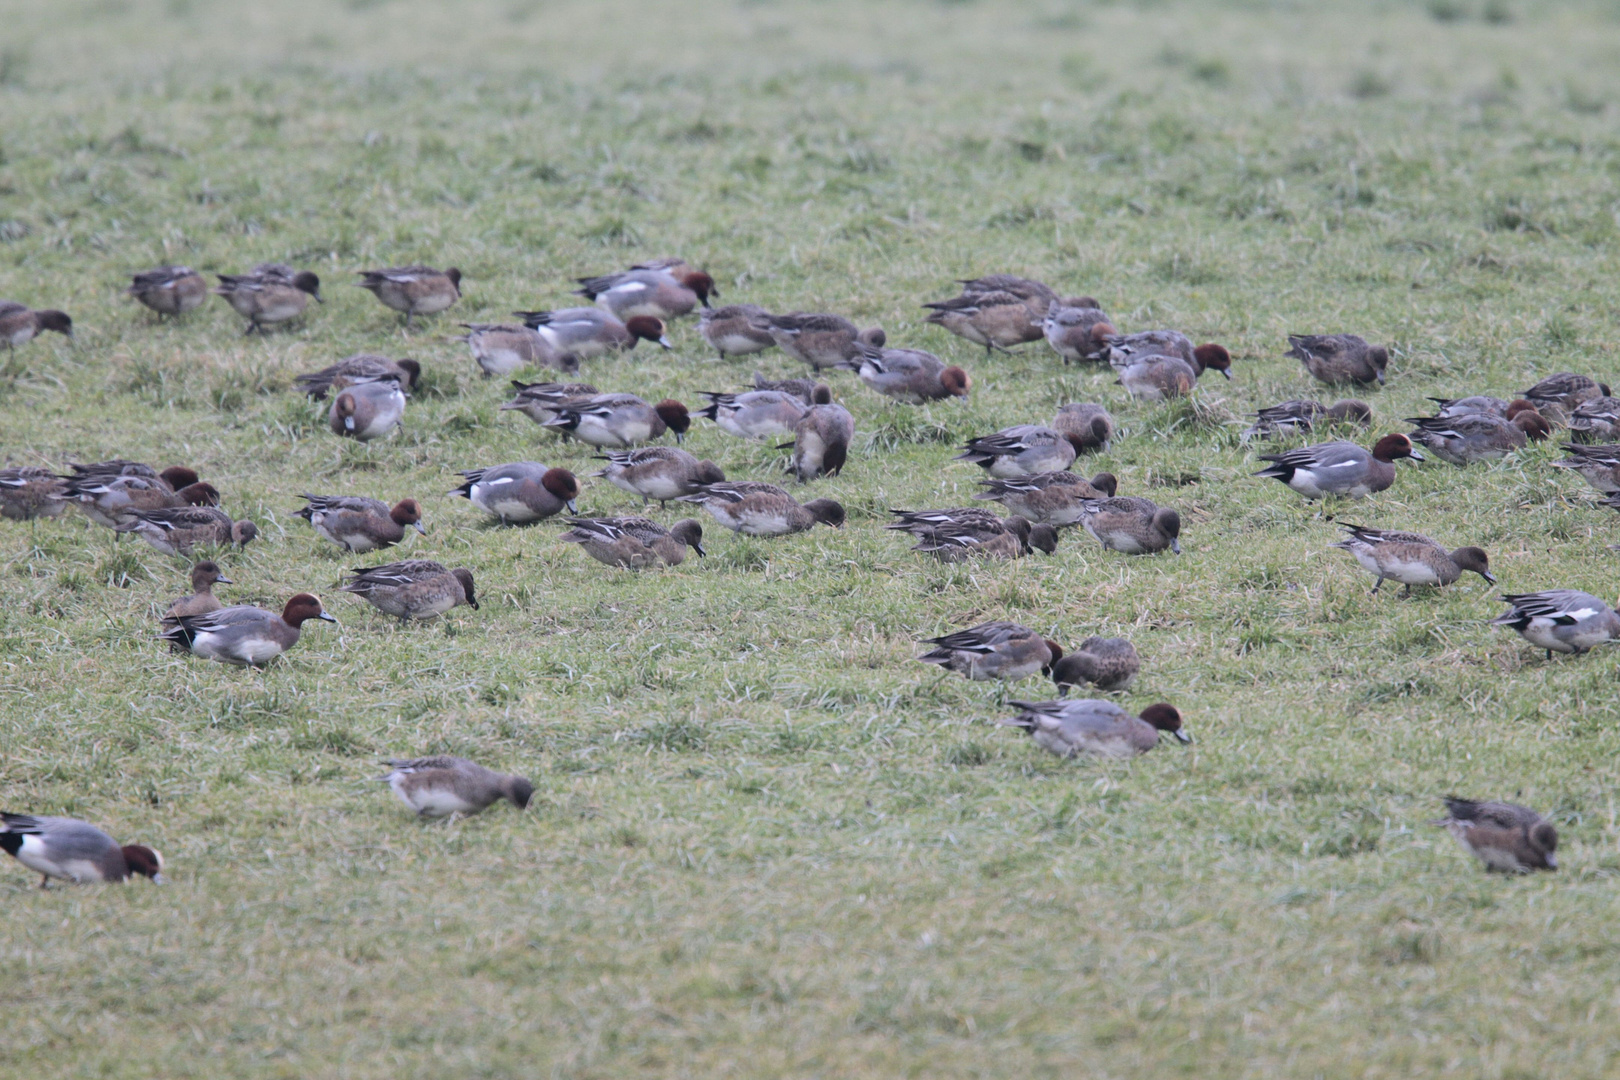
[[619, 420], [1339, 358], [1023, 450], [359, 524], [502, 348], [586, 333], [997, 320], [1160, 378], [169, 290], [413, 290], [539, 401], [357, 368], [755, 414], [31, 491], [204, 576], [19, 325], [1085, 424], [176, 530], [1411, 558], [659, 472], [1298, 417], [1109, 664], [1131, 525], [1095, 728], [754, 508], [635, 542], [910, 375], [1340, 468], [1557, 396], [1595, 420], [76, 851], [1006, 651], [821, 441], [1037, 295], [445, 786], [1463, 440], [1560, 620], [367, 409], [245, 636], [413, 588], [803, 389], [1506, 837], [1597, 463], [520, 493], [1127, 349], [1053, 498], [269, 296], [736, 330], [1000, 538], [1078, 334], [818, 339], [1476, 403], [108, 497], [656, 293]]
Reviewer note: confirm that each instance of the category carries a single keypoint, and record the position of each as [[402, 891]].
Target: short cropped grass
[[765, 841]]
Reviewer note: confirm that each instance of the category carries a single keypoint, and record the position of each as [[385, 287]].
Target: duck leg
[[1380, 583]]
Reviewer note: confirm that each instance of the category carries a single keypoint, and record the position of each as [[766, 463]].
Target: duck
[[1340, 468], [367, 409], [520, 493], [1160, 378], [1506, 837], [757, 414], [1109, 664], [539, 401], [245, 636], [1095, 728], [635, 542], [31, 491], [1036, 295], [923, 523], [502, 348], [1557, 396], [821, 441], [1595, 420], [1126, 349], [19, 325], [1131, 525], [107, 495], [1023, 450], [619, 420], [996, 319], [1009, 538], [658, 472], [412, 589], [1085, 424], [413, 290], [1007, 651], [204, 576], [268, 295], [1050, 498], [1598, 464], [359, 524], [1463, 440], [445, 786], [1300, 416], [176, 530], [806, 390], [1560, 620], [658, 293], [820, 340], [1476, 403], [736, 330], [1078, 334], [1339, 358], [1411, 558], [76, 851], [169, 290], [586, 333], [909, 375], [754, 508], [358, 368]]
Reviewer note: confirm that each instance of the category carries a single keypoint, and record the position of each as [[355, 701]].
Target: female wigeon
[[1131, 525], [1109, 664], [818, 339], [1023, 450], [1477, 403], [1095, 728], [910, 375], [1300, 416], [109, 499], [446, 786], [245, 636], [539, 401], [413, 589], [999, 538], [921, 523], [1506, 837], [736, 330], [1078, 334], [997, 320], [520, 493], [1598, 464], [806, 390], [1463, 440], [1339, 358], [31, 491], [358, 524], [619, 420], [76, 851], [502, 348], [1052, 498], [1560, 620], [1340, 468], [413, 290], [635, 542], [1595, 420], [755, 414], [754, 508], [19, 325], [204, 576], [1085, 424], [1127, 349], [169, 290], [1037, 295], [1411, 558], [1160, 378], [660, 294], [269, 296], [368, 409], [659, 472], [586, 333], [1557, 396], [358, 368], [177, 530], [821, 441], [1007, 651]]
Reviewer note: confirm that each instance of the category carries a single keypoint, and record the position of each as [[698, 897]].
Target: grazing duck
[[1109, 664], [1051, 498], [359, 368], [922, 523], [1023, 450], [756, 414], [359, 524], [1007, 651], [803, 389], [19, 325], [1595, 420], [753, 508], [1506, 837], [1078, 334], [1598, 464], [1134, 526], [1339, 358], [822, 341], [1095, 728], [30, 492], [176, 530], [1160, 378], [909, 375], [413, 290], [619, 420], [446, 786], [659, 472], [635, 542], [997, 320], [1085, 424], [109, 498], [1463, 440], [245, 636], [502, 348], [1557, 396], [1340, 468], [412, 589], [540, 401], [1037, 295], [1010, 538], [169, 290], [1298, 417], [736, 330], [821, 441], [1411, 558], [76, 851], [1477, 403], [269, 296], [1560, 620], [586, 333], [367, 410], [656, 293], [520, 493], [204, 576]]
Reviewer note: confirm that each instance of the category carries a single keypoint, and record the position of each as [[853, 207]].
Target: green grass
[[765, 842]]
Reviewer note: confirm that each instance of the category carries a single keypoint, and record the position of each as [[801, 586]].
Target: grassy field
[[765, 842]]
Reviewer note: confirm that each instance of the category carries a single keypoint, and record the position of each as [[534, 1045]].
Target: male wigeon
[[585, 333], [1160, 378], [1560, 620], [176, 530], [1463, 440], [358, 368], [957, 540], [502, 348], [1506, 837], [1007, 651], [204, 576], [921, 523], [1052, 498], [659, 472], [1131, 525], [1340, 468], [269, 296], [539, 401], [1411, 558], [1595, 420], [909, 375], [1127, 349], [619, 420], [1023, 450], [359, 524], [1078, 334], [756, 414], [412, 589], [367, 409], [19, 325], [1557, 396], [31, 491], [661, 294], [754, 508], [520, 493], [245, 636], [1597, 463], [108, 498], [76, 851], [445, 786], [997, 320], [736, 330], [413, 290], [635, 542], [1085, 424], [169, 290], [1096, 728], [819, 339], [821, 441], [1339, 358], [1109, 664], [1298, 417], [803, 389]]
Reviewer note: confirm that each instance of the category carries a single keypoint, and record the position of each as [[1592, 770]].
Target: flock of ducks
[[1026, 468]]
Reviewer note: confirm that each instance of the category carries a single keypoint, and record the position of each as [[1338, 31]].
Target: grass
[[765, 842]]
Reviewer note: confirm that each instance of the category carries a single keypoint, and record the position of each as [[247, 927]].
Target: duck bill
[[327, 616], [699, 549], [159, 879], [1380, 378], [664, 341], [1417, 455], [1228, 373], [419, 527], [1175, 546], [1182, 737], [1489, 577], [1552, 861], [223, 581], [573, 507]]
